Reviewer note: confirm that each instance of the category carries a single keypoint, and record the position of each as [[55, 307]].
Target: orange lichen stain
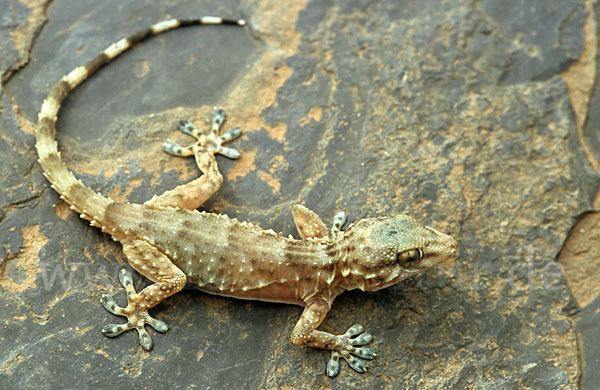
[[314, 115], [26, 264], [277, 132], [141, 69], [133, 183], [62, 210], [93, 166], [246, 104], [22, 35], [157, 358], [20, 317], [132, 371], [579, 259], [199, 354], [119, 195], [18, 39], [277, 163], [243, 166], [83, 331], [580, 76], [114, 193], [272, 19], [24, 124], [270, 180], [214, 302], [312, 78]]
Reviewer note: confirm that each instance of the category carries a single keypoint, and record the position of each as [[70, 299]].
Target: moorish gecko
[[169, 242]]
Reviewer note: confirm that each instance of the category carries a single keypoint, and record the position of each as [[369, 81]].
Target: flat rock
[[453, 112]]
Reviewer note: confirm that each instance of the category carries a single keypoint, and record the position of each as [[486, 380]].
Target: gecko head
[[384, 251]]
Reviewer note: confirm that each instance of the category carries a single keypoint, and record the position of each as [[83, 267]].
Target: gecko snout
[[453, 245]]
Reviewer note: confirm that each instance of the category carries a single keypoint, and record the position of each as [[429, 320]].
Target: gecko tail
[[88, 203]]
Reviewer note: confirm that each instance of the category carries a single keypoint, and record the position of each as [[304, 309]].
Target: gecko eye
[[410, 258]]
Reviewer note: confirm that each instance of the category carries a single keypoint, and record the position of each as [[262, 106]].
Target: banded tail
[[89, 204]]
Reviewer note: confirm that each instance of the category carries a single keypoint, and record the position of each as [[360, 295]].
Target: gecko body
[[169, 242]]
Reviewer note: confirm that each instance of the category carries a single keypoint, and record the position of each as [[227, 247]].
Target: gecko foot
[[338, 221], [136, 318], [348, 351], [206, 141]]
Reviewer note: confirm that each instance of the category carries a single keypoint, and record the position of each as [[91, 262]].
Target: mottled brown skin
[[169, 242]]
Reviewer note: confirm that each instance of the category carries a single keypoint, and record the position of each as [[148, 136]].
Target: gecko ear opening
[[410, 258]]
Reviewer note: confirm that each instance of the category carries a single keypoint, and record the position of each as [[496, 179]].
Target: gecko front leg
[[348, 346]]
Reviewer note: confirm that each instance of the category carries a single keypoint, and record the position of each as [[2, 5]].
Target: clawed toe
[[333, 366], [227, 152], [230, 135], [109, 304], [218, 118], [174, 149], [113, 330], [355, 363], [188, 128]]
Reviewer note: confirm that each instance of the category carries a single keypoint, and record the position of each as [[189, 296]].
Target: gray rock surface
[[451, 111]]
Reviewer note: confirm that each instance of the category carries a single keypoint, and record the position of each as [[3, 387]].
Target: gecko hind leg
[[168, 280], [113, 330], [208, 143]]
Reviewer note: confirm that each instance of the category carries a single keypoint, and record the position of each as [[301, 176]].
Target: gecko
[[171, 243]]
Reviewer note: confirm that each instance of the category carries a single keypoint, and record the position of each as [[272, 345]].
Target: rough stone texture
[[590, 130], [451, 111], [587, 325]]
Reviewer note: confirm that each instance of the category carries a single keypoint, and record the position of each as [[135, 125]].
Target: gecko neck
[[348, 276]]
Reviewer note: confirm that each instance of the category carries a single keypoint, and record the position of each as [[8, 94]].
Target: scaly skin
[[169, 242]]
